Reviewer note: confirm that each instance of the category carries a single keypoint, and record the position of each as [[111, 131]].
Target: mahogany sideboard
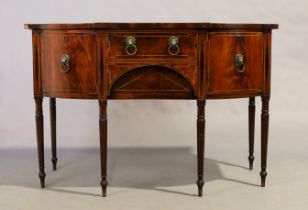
[[196, 61]]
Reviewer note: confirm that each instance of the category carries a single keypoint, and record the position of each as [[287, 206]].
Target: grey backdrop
[[155, 123]]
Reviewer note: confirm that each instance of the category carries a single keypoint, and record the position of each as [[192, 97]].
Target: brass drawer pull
[[240, 63], [130, 45], [173, 45], [65, 63]]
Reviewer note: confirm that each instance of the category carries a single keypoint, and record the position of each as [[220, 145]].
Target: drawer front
[[69, 64], [234, 62], [153, 45]]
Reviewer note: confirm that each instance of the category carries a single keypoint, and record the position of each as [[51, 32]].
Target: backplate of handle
[[65, 63], [173, 45], [239, 63], [130, 45]]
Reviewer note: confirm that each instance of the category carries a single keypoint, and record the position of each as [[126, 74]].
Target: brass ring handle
[[65, 63], [173, 45], [240, 63], [131, 45]]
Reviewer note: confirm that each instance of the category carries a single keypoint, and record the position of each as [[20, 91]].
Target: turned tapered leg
[[264, 137], [251, 125], [103, 143], [40, 138], [53, 131], [200, 144]]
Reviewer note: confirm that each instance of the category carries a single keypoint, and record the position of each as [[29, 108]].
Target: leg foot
[[104, 184], [42, 178], [200, 184], [54, 163], [200, 144], [263, 175], [251, 159]]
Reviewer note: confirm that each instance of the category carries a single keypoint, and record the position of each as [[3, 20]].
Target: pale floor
[[151, 178]]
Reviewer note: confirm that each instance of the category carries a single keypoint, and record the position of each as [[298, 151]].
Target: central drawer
[[151, 64], [152, 45]]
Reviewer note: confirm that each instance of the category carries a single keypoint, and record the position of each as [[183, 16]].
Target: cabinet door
[[235, 63], [68, 64]]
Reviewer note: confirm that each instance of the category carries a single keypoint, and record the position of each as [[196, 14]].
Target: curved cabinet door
[[68, 64], [234, 63]]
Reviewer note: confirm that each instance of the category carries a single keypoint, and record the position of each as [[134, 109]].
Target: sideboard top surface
[[205, 26]]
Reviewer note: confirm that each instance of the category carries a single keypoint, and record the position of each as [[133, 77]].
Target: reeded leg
[[53, 131], [40, 138], [200, 144], [251, 122], [264, 137], [103, 143]]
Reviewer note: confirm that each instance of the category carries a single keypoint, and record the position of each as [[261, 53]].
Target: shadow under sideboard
[[136, 167]]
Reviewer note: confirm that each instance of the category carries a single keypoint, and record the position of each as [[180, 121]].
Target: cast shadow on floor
[[140, 167]]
